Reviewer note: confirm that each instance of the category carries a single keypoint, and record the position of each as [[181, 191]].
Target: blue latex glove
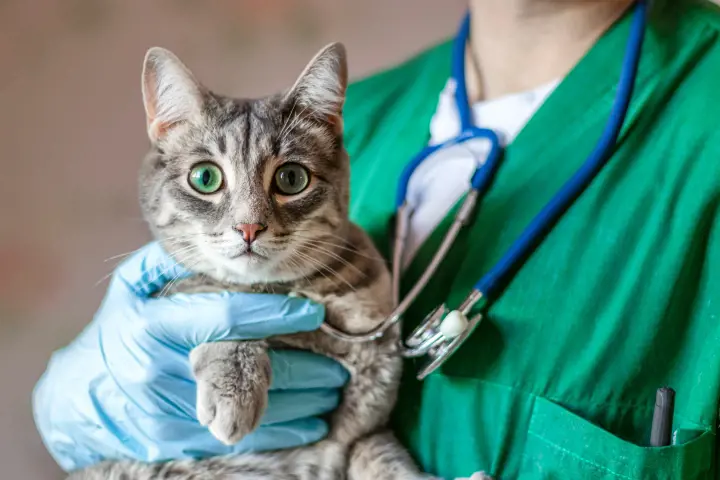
[[124, 387]]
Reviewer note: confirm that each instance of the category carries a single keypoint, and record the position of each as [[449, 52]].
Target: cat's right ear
[[171, 93], [321, 86]]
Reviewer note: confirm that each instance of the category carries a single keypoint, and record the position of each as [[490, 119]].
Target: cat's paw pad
[[228, 415], [232, 389]]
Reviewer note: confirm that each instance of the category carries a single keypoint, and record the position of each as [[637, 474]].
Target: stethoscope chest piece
[[440, 333]]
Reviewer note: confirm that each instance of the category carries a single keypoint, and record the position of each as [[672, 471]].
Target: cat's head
[[245, 189]]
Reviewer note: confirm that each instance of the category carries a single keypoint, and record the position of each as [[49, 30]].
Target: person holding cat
[[558, 381]]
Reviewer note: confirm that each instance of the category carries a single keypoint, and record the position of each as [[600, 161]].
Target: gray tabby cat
[[252, 195]]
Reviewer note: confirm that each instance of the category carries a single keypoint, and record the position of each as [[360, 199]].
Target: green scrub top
[[621, 298]]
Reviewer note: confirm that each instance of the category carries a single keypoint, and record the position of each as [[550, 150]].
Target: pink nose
[[249, 231]]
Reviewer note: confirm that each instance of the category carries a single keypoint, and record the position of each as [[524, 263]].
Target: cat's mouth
[[248, 254]]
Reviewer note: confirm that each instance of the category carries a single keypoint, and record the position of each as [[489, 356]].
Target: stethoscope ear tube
[[402, 226], [499, 276], [461, 218]]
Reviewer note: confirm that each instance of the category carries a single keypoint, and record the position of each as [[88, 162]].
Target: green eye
[[206, 177], [291, 179]]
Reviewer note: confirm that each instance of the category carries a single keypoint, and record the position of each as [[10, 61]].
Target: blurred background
[[72, 134]]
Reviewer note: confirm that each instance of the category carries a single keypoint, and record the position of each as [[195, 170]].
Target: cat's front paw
[[232, 386]]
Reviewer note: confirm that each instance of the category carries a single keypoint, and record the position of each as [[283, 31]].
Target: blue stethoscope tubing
[[432, 337], [490, 284]]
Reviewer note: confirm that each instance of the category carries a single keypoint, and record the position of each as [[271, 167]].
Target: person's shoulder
[[688, 69], [372, 97], [373, 101], [704, 12], [687, 95], [691, 27], [387, 82]]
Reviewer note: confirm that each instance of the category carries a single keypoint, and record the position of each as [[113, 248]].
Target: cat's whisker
[[342, 247], [185, 249], [169, 285], [313, 264], [189, 266], [295, 266], [334, 245], [166, 289], [334, 256], [325, 267], [164, 271], [185, 236], [122, 255], [226, 244], [287, 120], [105, 277], [127, 254], [296, 121], [323, 233]]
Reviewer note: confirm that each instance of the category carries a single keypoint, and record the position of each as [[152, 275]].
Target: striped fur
[[309, 247]]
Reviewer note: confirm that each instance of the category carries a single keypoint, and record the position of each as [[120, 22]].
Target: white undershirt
[[444, 177]]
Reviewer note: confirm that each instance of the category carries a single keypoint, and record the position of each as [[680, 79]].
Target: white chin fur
[[243, 269], [246, 269]]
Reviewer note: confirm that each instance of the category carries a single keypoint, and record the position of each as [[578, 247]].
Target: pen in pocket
[[661, 432]]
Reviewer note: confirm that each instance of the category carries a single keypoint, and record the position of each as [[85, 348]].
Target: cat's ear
[[321, 86], [171, 93]]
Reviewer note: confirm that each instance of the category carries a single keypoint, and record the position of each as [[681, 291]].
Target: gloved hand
[[124, 387]]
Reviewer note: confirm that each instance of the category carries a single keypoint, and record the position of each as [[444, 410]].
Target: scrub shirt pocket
[[563, 445]]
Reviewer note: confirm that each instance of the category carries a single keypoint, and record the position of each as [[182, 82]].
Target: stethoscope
[[443, 330]]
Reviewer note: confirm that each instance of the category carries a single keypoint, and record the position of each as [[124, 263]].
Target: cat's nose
[[250, 231]]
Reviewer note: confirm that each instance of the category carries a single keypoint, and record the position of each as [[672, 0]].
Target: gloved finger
[[288, 405], [189, 320], [161, 438], [279, 436], [148, 270], [298, 369]]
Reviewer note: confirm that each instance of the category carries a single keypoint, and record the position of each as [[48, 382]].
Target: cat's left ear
[[321, 87], [171, 93]]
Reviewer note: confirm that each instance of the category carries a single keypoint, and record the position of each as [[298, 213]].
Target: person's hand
[[124, 387]]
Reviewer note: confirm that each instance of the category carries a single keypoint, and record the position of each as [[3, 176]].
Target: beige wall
[[72, 135]]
